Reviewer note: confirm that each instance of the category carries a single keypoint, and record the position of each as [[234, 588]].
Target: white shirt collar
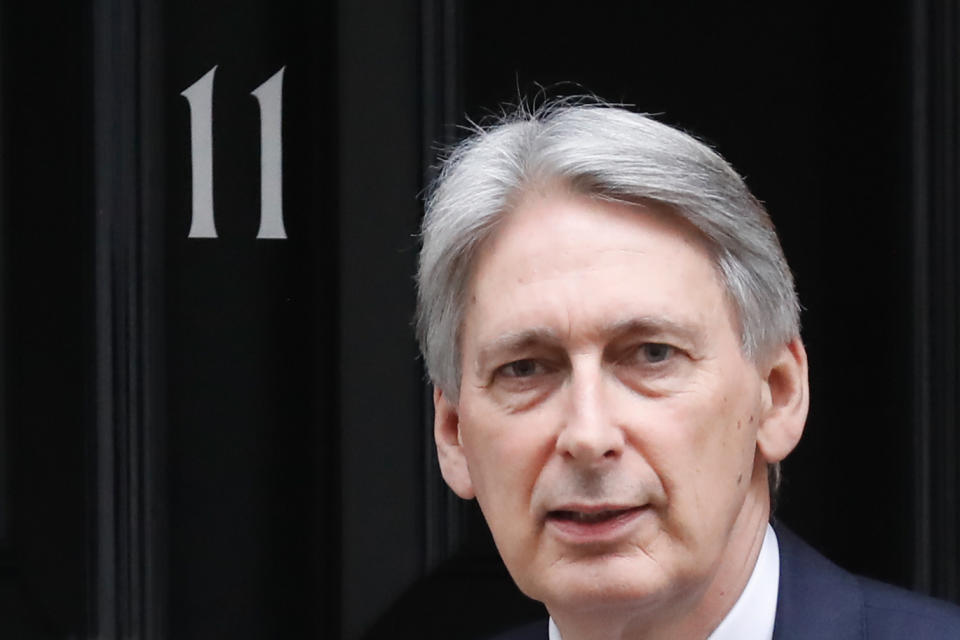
[[753, 614]]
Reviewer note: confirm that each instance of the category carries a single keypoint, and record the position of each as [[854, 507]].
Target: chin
[[611, 584]]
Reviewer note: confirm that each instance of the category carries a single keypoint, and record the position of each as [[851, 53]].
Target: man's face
[[607, 419]]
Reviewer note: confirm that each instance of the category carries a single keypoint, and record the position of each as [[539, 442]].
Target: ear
[[446, 432], [786, 398]]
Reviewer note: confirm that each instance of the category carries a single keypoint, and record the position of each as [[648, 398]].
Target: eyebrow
[[515, 341], [654, 326], [518, 341]]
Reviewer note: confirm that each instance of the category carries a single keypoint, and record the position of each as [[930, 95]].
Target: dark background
[[230, 437]]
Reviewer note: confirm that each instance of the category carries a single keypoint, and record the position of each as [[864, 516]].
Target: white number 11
[[269, 97]]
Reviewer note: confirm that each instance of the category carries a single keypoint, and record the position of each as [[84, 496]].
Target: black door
[[215, 421]]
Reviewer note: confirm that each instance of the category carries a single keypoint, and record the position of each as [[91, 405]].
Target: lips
[[589, 517], [586, 525]]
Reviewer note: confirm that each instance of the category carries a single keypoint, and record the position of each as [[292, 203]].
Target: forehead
[[560, 261]]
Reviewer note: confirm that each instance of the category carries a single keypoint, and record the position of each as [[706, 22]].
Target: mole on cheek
[[739, 478]]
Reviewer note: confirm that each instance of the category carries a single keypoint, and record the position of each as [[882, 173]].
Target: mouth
[[590, 517], [589, 525]]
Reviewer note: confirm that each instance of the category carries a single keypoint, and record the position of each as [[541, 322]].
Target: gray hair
[[609, 153]]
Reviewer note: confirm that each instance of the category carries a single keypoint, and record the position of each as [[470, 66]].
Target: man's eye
[[521, 369], [654, 352]]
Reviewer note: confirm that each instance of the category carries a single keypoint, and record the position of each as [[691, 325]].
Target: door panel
[[215, 418]]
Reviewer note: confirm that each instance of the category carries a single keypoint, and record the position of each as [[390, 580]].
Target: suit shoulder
[[533, 631], [892, 612], [818, 599]]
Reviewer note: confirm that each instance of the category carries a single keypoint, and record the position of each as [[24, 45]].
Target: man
[[612, 333]]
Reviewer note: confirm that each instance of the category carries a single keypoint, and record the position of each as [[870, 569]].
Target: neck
[[699, 614]]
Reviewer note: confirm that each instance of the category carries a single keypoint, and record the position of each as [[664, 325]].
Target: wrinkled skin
[[603, 378]]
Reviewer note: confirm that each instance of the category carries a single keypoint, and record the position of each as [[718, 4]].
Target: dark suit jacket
[[818, 600]]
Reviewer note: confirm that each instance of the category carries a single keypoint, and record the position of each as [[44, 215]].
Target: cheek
[[504, 460], [505, 469], [699, 445], [726, 446]]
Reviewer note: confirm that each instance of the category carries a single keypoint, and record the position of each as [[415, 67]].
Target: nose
[[588, 435]]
